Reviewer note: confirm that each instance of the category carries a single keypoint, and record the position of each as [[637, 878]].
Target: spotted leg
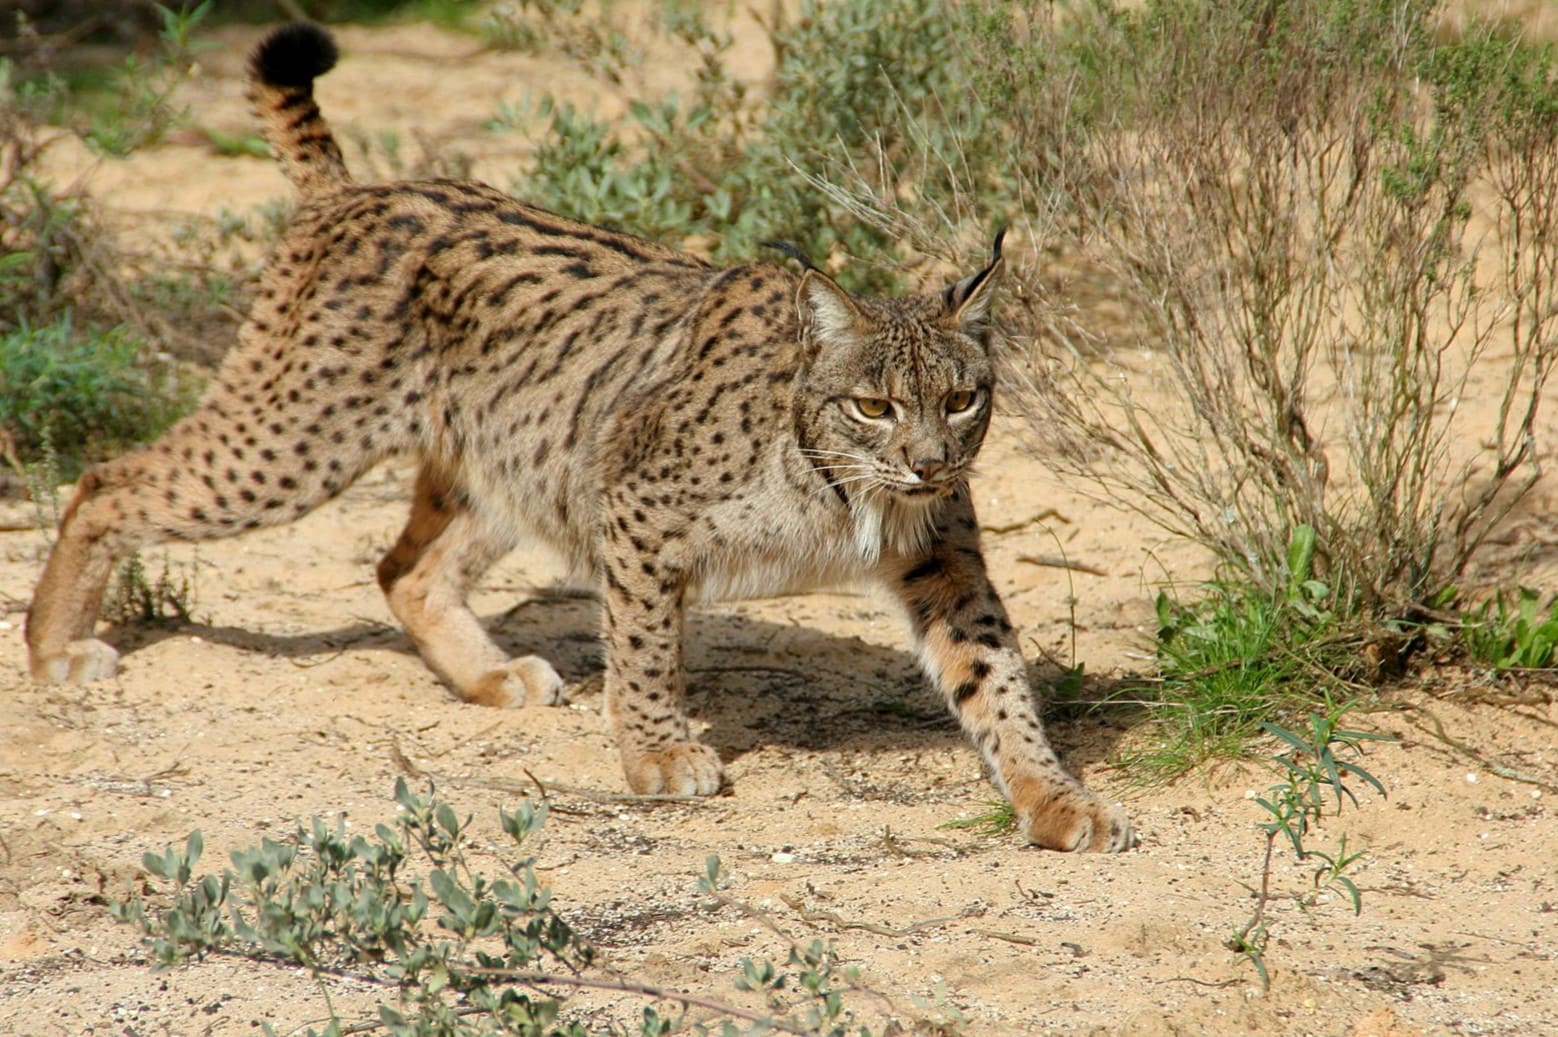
[[969, 649]]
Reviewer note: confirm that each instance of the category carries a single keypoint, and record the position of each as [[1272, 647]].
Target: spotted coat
[[678, 432]]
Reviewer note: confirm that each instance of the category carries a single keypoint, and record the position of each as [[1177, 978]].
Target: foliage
[[1510, 632], [137, 596], [454, 952], [139, 109], [43, 235], [1299, 242], [1236, 658], [726, 170], [88, 328], [80, 392], [1311, 771]]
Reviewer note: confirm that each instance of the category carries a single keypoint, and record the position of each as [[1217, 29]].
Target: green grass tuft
[[1239, 658], [998, 819], [1513, 632]]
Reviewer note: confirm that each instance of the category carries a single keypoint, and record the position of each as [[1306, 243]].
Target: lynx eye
[[873, 407], [960, 400]]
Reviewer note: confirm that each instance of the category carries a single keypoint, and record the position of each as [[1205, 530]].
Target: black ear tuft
[[793, 252], [968, 301], [295, 55]]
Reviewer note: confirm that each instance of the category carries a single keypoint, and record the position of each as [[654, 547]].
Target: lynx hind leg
[[60, 645], [444, 549], [211, 475]]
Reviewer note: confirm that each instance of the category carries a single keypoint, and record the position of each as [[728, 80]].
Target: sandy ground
[[295, 694]]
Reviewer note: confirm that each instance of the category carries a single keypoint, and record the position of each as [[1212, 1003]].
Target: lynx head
[[894, 398]]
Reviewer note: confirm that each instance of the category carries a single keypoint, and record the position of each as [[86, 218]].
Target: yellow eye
[[959, 400], [873, 406]]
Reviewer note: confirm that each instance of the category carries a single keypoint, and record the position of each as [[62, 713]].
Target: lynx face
[[894, 401]]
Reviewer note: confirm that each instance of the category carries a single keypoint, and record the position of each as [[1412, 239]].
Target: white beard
[[902, 527]]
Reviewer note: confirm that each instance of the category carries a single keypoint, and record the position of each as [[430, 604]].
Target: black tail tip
[[295, 55]]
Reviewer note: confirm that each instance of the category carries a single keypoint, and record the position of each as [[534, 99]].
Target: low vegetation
[[94, 336], [1312, 771], [450, 950]]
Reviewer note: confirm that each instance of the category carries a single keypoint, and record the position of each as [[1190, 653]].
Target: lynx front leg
[[644, 601], [969, 649]]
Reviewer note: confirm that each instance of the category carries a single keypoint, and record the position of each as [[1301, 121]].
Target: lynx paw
[[81, 662], [1065, 817], [526, 681], [688, 769]]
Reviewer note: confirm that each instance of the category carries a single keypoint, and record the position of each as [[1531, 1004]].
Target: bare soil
[[294, 694]]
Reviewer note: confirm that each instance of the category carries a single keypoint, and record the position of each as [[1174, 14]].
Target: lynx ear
[[969, 301], [826, 310]]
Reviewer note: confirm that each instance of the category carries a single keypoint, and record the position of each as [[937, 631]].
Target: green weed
[[405, 911], [45, 235], [135, 596], [1513, 632], [1238, 657], [1312, 771], [136, 107], [42, 477]]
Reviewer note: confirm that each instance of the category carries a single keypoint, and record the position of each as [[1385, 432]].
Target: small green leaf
[[1301, 552]]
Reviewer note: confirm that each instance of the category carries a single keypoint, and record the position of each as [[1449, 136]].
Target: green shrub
[[458, 954], [727, 171], [81, 392]]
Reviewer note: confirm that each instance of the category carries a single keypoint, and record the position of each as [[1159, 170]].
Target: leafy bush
[[456, 953], [45, 236], [80, 392], [87, 326], [725, 170]]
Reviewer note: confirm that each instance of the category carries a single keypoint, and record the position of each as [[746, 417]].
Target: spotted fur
[[677, 431]]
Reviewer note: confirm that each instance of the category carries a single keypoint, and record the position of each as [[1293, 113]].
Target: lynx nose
[[927, 468]]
